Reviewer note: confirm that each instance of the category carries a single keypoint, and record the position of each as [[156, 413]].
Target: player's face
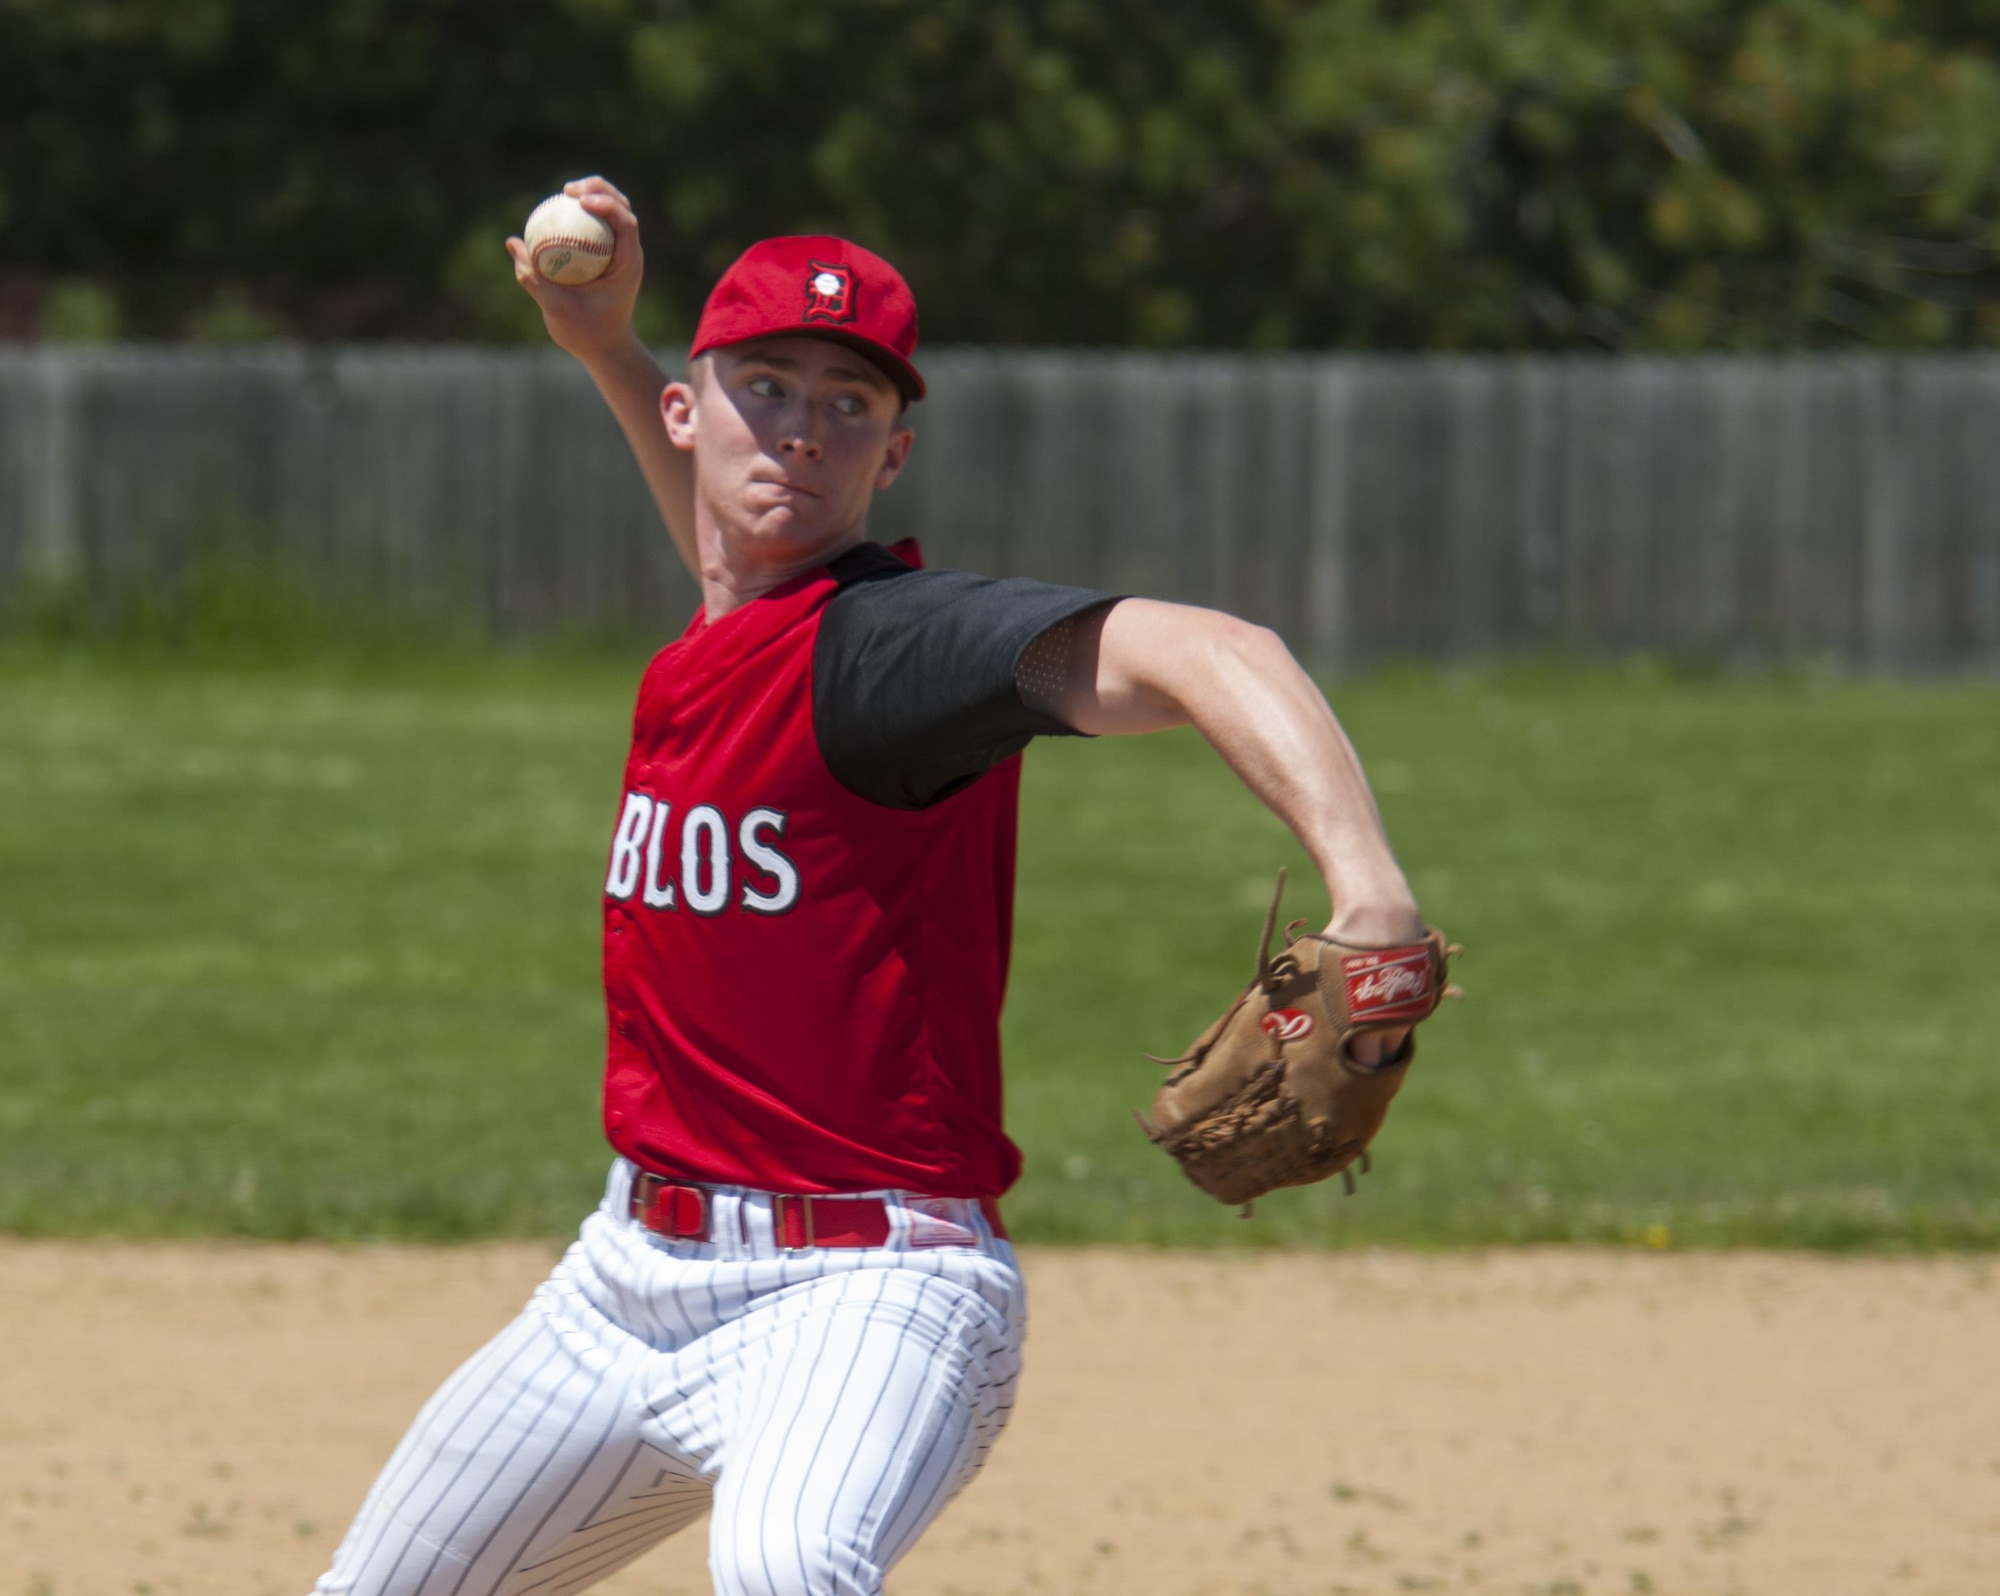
[[791, 438]]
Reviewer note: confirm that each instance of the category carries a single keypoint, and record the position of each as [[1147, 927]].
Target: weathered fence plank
[[1366, 507]]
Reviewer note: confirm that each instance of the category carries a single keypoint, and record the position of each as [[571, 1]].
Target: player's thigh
[[863, 1417], [526, 1471]]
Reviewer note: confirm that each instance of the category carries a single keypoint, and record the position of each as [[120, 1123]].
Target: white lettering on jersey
[[658, 894], [624, 876], [784, 875], [705, 820], [642, 858]]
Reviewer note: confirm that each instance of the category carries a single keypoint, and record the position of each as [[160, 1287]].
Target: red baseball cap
[[821, 287]]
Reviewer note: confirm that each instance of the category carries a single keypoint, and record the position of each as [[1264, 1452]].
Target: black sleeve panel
[[913, 674]]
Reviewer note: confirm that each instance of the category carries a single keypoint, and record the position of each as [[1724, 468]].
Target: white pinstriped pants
[[827, 1403]]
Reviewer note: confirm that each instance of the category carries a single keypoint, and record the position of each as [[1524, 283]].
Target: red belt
[[683, 1212]]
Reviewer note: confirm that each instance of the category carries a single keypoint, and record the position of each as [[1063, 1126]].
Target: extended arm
[[1141, 665], [593, 322]]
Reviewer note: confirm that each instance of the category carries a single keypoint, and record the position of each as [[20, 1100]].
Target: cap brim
[[899, 371], [892, 365]]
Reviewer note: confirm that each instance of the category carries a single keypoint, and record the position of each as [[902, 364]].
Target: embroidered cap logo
[[829, 294]]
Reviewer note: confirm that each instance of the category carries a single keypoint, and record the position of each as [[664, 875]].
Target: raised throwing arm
[[593, 322]]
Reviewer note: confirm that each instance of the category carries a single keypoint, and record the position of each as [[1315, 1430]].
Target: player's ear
[[895, 457], [677, 409]]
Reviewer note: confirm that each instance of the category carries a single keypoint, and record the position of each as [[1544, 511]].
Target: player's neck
[[736, 571]]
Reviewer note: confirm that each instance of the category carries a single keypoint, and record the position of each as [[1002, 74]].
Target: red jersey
[[803, 979]]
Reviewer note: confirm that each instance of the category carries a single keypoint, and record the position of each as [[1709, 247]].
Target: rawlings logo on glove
[[1389, 986], [1270, 1094]]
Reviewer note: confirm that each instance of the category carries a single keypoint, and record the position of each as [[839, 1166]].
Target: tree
[[1471, 174]]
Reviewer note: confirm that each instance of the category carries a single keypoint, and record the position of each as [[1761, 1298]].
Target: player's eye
[[766, 388], [850, 405]]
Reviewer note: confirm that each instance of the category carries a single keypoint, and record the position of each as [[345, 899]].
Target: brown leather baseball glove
[[1269, 1095]]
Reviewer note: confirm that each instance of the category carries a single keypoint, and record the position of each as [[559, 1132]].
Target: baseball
[[566, 243]]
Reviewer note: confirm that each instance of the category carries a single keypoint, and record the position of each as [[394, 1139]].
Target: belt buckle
[[778, 1221], [704, 1223], [647, 1213]]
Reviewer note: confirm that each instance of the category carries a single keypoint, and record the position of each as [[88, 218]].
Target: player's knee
[[778, 1557]]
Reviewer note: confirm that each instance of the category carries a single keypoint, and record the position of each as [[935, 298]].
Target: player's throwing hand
[[594, 318]]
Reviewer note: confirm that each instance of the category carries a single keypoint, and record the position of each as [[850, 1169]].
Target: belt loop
[[805, 1222], [639, 1195]]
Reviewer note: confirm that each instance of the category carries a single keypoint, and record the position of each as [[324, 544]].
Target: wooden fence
[[1367, 508]]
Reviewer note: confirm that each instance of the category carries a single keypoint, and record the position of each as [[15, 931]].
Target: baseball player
[[797, 1307]]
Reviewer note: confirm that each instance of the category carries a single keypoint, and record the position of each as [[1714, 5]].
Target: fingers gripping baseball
[[592, 318]]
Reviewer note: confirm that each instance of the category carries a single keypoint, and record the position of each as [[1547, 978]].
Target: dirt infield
[[204, 1419]]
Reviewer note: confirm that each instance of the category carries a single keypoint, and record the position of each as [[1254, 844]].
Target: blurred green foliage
[[1469, 174]]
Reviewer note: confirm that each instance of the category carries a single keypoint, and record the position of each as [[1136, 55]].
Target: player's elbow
[[1235, 647]]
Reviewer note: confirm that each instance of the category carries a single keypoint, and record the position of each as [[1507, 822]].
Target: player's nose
[[798, 435]]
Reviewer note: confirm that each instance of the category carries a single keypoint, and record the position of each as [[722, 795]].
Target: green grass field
[[311, 951]]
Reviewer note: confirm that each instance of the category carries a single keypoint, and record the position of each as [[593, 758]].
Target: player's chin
[[793, 525]]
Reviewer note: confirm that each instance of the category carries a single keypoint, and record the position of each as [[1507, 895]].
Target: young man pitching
[[797, 1306]]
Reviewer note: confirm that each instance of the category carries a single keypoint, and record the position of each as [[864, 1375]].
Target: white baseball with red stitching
[[566, 243]]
